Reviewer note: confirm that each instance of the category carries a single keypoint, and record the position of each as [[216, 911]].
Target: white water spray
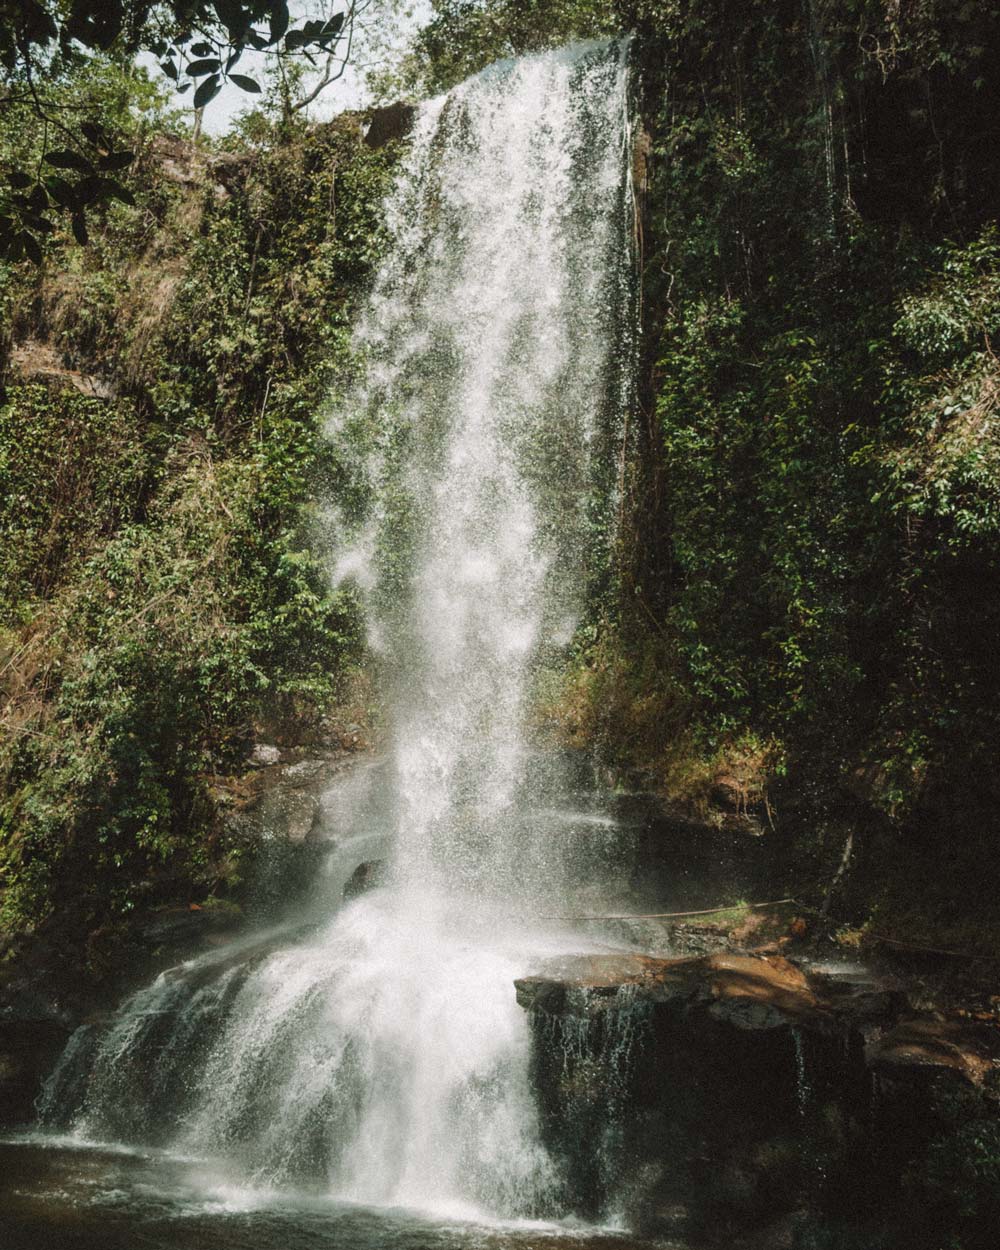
[[385, 1060]]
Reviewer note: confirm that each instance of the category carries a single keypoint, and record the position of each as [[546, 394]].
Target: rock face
[[275, 814], [365, 877], [927, 1048], [393, 121], [284, 820], [742, 1100], [39, 362], [33, 1031]]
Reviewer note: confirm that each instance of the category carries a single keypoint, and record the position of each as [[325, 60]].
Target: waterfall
[[383, 1059], [497, 375]]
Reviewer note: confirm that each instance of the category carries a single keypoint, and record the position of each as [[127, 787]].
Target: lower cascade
[[377, 1053]]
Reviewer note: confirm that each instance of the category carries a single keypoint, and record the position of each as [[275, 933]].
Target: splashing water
[[384, 1059], [495, 381]]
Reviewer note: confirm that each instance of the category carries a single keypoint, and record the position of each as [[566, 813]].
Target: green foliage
[[818, 499], [160, 598], [72, 469], [175, 635], [45, 45], [55, 179], [465, 35], [955, 1183]]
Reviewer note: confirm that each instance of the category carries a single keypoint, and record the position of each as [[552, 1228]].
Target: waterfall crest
[[384, 1059]]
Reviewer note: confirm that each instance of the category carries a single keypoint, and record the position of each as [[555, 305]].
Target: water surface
[[63, 1197]]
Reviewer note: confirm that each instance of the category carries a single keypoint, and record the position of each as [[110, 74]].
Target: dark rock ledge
[[766, 992], [742, 1100]]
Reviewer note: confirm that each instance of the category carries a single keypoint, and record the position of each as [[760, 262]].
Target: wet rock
[[33, 1030], [747, 991], [780, 1234], [769, 1103], [921, 1049], [287, 815], [264, 755], [365, 877], [185, 928], [394, 121], [277, 804], [757, 992], [305, 771]]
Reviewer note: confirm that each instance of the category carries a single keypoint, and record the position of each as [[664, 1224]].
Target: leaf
[[89, 190], [208, 90], [233, 58], [115, 191], [185, 86], [31, 248], [238, 18], [115, 161], [244, 83], [202, 49], [18, 178], [40, 225], [79, 225], [95, 134], [65, 159], [295, 39], [198, 69], [38, 200], [61, 191], [279, 22], [170, 69], [333, 25]]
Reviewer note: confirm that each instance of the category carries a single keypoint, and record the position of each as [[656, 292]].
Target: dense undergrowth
[[817, 529], [161, 598]]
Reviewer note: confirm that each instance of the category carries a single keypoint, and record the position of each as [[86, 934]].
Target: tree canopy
[[199, 47]]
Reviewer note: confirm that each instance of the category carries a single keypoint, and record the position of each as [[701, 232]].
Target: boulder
[[393, 121], [367, 876], [768, 1102], [264, 755], [33, 1030]]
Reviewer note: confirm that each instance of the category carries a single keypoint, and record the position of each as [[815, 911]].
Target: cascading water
[[384, 1059]]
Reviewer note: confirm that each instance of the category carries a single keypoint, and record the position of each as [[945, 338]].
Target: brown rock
[[928, 1047], [748, 991]]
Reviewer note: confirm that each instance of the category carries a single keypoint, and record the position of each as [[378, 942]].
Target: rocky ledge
[[749, 991], [768, 992], [746, 1100]]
